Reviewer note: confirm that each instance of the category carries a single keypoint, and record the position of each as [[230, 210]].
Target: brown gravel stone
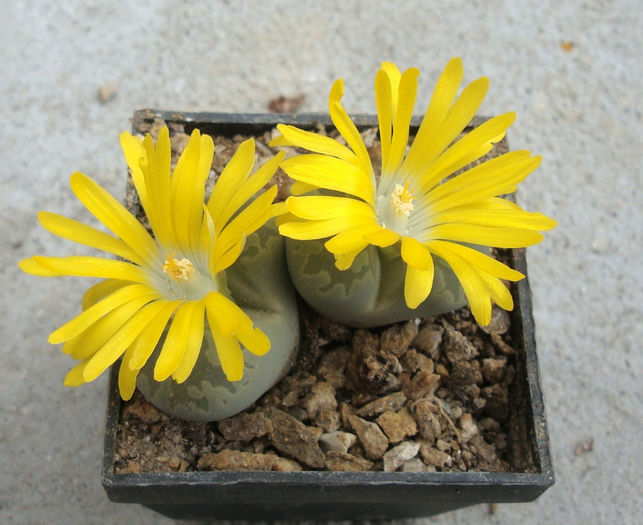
[[368, 370], [501, 346], [333, 364], [433, 457], [423, 384], [462, 382], [295, 439], [245, 427], [493, 370], [396, 339], [295, 387], [409, 360], [337, 441], [425, 364], [246, 461], [414, 465], [144, 411], [371, 437], [393, 402], [499, 322], [427, 418], [456, 346], [497, 405], [321, 397], [329, 420], [344, 462], [468, 427], [486, 453], [399, 455], [397, 425], [428, 340]]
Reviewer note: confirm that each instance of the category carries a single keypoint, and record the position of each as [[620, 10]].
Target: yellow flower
[[174, 279], [415, 201]]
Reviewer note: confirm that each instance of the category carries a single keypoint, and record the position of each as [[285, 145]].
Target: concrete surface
[[579, 108]]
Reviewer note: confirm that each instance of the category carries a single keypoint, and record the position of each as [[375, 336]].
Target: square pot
[[344, 495]]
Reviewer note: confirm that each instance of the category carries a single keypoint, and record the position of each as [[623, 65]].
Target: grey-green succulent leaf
[[371, 292], [258, 282]]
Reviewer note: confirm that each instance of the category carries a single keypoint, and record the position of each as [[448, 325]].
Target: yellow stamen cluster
[[402, 199], [179, 270]]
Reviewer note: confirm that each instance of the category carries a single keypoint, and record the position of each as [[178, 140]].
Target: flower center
[[179, 270], [402, 199]]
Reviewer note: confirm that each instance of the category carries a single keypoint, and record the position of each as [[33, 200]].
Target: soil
[[430, 394]]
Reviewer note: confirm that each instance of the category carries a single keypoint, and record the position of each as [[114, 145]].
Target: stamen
[[179, 270], [401, 199]]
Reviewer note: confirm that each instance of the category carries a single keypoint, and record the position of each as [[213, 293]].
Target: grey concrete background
[[580, 108]]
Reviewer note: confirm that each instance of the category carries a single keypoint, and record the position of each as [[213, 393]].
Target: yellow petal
[[89, 341], [313, 142], [118, 343], [155, 187], [486, 235], [405, 103], [100, 290], [279, 208], [228, 258], [478, 260], [175, 343], [474, 287], [188, 188], [469, 148], [254, 340], [323, 207], [499, 293], [330, 173], [385, 111], [343, 261], [417, 285], [307, 230], [33, 267], [299, 188], [75, 376], [208, 235], [458, 117], [83, 234], [126, 377], [230, 320], [145, 343], [253, 217], [224, 313], [134, 154], [231, 178], [346, 127], [445, 92], [393, 76], [382, 238], [228, 350], [251, 186], [415, 254], [83, 321], [489, 179], [113, 215], [350, 240], [84, 266], [516, 218], [194, 344]]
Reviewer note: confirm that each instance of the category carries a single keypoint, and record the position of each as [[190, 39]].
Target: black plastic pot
[[321, 495]]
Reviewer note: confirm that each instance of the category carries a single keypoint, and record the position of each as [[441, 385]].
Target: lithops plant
[[177, 307], [405, 235]]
